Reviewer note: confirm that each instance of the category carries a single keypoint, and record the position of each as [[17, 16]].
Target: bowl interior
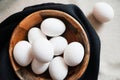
[[74, 32]]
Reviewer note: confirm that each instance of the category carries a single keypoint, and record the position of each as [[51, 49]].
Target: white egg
[[38, 67], [73, 53], [43, 50], [22, 53], [58, 69], [103, 12], [35, 33], [59, 44], [52, 27]]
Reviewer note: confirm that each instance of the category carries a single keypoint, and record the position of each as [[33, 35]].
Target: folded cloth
[[9, 24]]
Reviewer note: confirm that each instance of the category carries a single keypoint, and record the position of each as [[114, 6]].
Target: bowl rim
[[41, 12]]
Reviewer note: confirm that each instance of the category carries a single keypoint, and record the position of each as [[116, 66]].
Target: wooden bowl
[[74, 32]]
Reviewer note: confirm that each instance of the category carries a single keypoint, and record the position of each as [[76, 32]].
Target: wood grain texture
[[74, 32]]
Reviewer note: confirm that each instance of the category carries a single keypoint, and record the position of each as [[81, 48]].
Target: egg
[[59, 44], [22, 53], [73, 53], [58, 69], [38, 67], [43, 50], [35, 33], [52, 27], [103, 12]]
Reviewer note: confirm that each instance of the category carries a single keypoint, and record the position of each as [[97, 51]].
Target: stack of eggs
[[54, 54]]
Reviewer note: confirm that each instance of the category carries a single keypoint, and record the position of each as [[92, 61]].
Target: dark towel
[[9, 24]]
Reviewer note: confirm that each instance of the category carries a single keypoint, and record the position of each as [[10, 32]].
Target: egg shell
[[22, 53], [43, 50], [58, 69], [35, 33], [52, 27], [73, 54], [38, 67], [59, 44], [103, 12]]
